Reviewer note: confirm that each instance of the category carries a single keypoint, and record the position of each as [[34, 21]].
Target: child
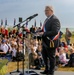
[[71, 61], [19, 53], [37, 64], [39, 49], [13, 52], [31, 59], [62, 57]]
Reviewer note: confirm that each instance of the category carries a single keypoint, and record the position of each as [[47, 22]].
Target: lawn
[[3, 68], [3, 62], [72, 38]]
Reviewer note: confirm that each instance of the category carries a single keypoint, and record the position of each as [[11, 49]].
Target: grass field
[[3, 62], [3, 67], [13, 65], [72, 38]]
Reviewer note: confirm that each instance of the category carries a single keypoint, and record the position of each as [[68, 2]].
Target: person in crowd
[[10, 33], [32, 29], [63, 43], [35, 44], [19, 53], [39, 49], [60, 36], [68, 36], [9, 46], [66, 51], [31, 59], [36, 62], [14, 40], [62, 57], [14, 50], [71, 61], [3, 48]]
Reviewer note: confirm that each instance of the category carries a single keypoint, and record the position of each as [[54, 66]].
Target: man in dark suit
[[32, 29], [50, 38]]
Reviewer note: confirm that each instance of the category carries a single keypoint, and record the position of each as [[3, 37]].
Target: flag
[[26, 28], [5, 22], [6, 31], [40, 24], [14, 21], [26, 24], [1, 22], [35, 23]]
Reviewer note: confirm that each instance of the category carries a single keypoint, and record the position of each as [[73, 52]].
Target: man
[[32, 29], [50, 37], [68, 36], [3, 48]]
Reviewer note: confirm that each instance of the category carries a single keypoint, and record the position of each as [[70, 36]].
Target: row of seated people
[[64, 54]]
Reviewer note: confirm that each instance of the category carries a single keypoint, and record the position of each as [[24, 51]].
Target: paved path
[[56, 73]]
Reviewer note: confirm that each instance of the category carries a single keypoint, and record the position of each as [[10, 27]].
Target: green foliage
[[3, 69]]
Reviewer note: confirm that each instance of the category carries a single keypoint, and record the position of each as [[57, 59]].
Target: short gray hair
[[50, 8]]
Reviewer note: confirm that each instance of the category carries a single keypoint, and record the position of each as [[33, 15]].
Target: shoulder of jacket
[[54, 17]]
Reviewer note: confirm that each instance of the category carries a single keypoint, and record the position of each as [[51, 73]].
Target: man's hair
[[50, 8]]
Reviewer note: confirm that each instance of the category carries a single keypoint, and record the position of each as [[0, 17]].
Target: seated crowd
[[8, 47]]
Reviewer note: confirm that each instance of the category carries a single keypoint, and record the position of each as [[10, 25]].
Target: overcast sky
[[64, 10]]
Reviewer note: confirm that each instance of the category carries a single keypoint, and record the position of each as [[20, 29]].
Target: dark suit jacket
[[52, 26]]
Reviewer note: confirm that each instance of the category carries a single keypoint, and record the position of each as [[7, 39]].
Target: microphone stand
[[24, 46], [18, 71], [24, 33], [28, 72]]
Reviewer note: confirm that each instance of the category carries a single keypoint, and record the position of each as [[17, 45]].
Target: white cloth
[[14, 52], [63, 58], [35, 48], [9, 47], [4, 48]]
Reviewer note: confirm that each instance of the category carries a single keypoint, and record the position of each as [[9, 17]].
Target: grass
[[3, 68], [66, 69], [3, 62], [12, 66], [72, 38]]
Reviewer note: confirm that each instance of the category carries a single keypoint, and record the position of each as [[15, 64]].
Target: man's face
[[47, 12]]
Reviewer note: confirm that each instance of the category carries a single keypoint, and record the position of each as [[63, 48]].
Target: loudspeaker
[[20, 19]]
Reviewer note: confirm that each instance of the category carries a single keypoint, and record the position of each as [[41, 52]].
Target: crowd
[[12, 46]]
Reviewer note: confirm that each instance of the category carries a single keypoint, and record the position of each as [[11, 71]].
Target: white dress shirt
[[4, 48]]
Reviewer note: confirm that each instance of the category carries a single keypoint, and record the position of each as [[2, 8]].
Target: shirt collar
[[49, 17]]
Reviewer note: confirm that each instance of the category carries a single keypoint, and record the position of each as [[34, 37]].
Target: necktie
[[43, 28]]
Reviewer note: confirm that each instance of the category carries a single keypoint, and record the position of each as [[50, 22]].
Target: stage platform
[[56, 72]]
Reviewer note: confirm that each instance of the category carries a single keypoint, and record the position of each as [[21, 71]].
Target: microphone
[[29, 18], [32, 16]]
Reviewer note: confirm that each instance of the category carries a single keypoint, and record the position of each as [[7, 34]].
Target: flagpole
[[40, 23], [5, 22], [35, 23], [1, 22], [14, 21]]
